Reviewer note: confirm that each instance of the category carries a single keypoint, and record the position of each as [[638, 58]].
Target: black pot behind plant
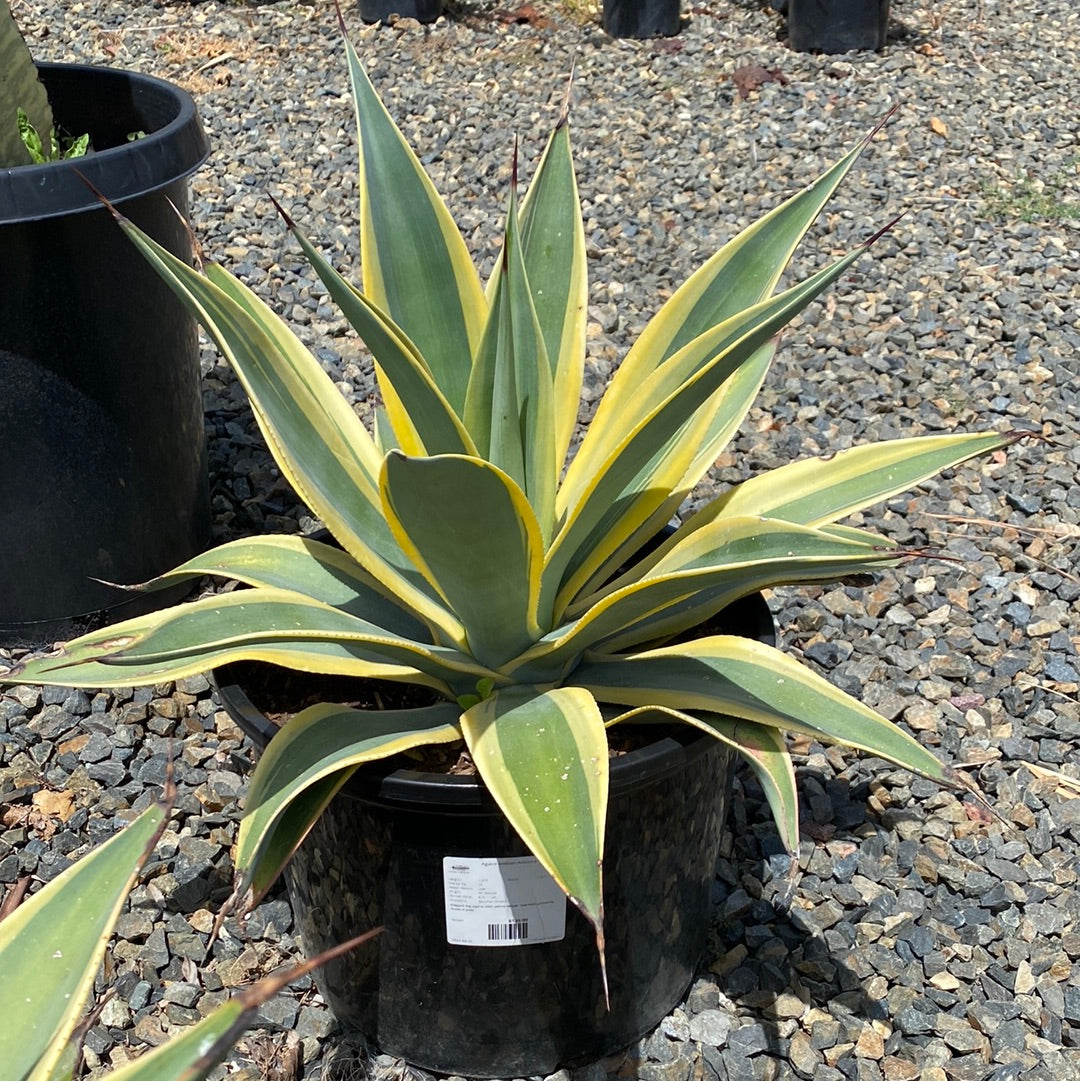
[[101, 431], [425, 11], [396, 842], [640, 18], [837, 26]]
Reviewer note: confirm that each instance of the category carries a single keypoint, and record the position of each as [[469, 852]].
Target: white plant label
[[508, 902]]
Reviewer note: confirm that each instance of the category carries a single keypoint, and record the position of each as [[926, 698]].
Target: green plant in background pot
[[522, 595], [25, 115]]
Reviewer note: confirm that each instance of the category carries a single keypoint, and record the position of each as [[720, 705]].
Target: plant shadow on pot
[[515, 1006]]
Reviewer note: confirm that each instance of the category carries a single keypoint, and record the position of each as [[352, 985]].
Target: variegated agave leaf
[[51, 949]]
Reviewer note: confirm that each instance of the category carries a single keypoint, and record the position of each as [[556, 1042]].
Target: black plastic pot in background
[[102, 446], [377, 857], [640, 18], [837, 26], [425, 11]]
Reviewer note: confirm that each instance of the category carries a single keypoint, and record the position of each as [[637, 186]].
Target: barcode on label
[[515, 931], [505, 902]]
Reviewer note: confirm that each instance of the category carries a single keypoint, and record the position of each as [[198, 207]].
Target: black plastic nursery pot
[[484, 969], [837, 26], [425, 11], [640, 18], [102, 446]]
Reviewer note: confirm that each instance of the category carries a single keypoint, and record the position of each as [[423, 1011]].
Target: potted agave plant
[[515, 615], [98, 360]]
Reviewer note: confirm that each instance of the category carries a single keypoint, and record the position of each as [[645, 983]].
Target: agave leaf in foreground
[[544, 758], [694, 582], [305, 765], [193, 1052], [415, 265], [723, 415], [553, 244], [422, 419], [651, 461], [741, 540], [52, 945], [272, 625], [319, 571], [743, 678], [510, 408], [471, 531], [762, 747]]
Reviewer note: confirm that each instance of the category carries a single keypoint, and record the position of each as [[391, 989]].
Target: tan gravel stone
[[898, 1069], [1025, 979], [834, 1054], [804, 1057], [945, 981], [789, 1005], [870, 1045]]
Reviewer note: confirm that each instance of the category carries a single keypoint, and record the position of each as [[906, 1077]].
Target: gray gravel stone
[[711, 1027], [749, 1040]]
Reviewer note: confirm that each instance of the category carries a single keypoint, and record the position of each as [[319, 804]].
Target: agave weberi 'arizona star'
[[473, 564]]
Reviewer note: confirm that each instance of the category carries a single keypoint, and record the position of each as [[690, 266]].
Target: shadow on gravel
[[776, 961]]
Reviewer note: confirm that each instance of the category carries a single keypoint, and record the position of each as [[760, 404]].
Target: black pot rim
[[449, 792], [160, 158], [468, 793]]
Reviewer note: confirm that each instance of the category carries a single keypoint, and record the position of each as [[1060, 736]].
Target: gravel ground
[[923, 939]]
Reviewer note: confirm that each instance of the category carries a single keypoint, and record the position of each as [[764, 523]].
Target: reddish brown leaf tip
[[882, 231], [254, 996], [14, 896], [782, 901], [1017, 434], [100, 197], [289, 223], [564, 111], [880, 124], [603, 964]]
